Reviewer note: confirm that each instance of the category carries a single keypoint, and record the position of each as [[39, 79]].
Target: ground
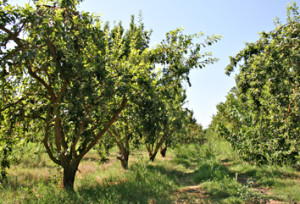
[[207, 173]]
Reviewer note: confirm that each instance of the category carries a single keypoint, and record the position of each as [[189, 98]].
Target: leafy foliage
[[68, 77], [261, 116]]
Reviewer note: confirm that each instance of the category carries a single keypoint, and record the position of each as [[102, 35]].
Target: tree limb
[[45, 140], [107, 126], [12, 104], [62, 90], [75, 141], [42, 81], [14, 36]]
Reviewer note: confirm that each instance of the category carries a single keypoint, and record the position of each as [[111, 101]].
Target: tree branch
[[81, 126], [9, 54], [12, 104], [107, 126], [62, 90], [42, 81], [148, 148], [18, 41], [57, 129], [75, 141], [63, 138], [35, 116], [13, 36], [52, 49], [45, 140]]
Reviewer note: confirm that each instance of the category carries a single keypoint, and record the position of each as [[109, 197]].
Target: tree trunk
[[124, 159], [152, 156], [69, 177], [163, 151]]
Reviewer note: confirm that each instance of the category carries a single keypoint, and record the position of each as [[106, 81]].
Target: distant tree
[[69, 77], [125, 135], [194, 133], [184, 132], [156, 116], [168, 122], [163, 119], [163, 114]]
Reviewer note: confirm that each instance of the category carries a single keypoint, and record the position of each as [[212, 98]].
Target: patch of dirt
[[225, 162], [275, 202], [191, 194], [192, 167], [193, 190]]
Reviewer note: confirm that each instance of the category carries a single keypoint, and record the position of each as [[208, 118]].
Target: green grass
[[210, 173]]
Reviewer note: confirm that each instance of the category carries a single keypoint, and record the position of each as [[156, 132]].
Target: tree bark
[[124, 159], [153, 152], [69, 177], [152, 156], [163, 151]]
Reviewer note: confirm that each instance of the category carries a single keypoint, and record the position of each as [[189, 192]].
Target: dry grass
[[30, 174], [87, 167]]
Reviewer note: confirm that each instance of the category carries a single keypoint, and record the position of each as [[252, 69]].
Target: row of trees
[[69, 81], [261, 116]]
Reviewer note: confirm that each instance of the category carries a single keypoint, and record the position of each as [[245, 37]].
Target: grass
[[210, 173]]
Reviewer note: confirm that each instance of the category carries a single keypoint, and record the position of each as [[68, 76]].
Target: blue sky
[[238, 21]]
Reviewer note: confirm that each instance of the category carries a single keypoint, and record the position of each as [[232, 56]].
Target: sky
[[238, 21]]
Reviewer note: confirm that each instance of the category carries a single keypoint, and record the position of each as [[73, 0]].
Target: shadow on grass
[[202, 172], [146, 183], [140, 184], [124, 192], [219, 182], [265, 172]]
